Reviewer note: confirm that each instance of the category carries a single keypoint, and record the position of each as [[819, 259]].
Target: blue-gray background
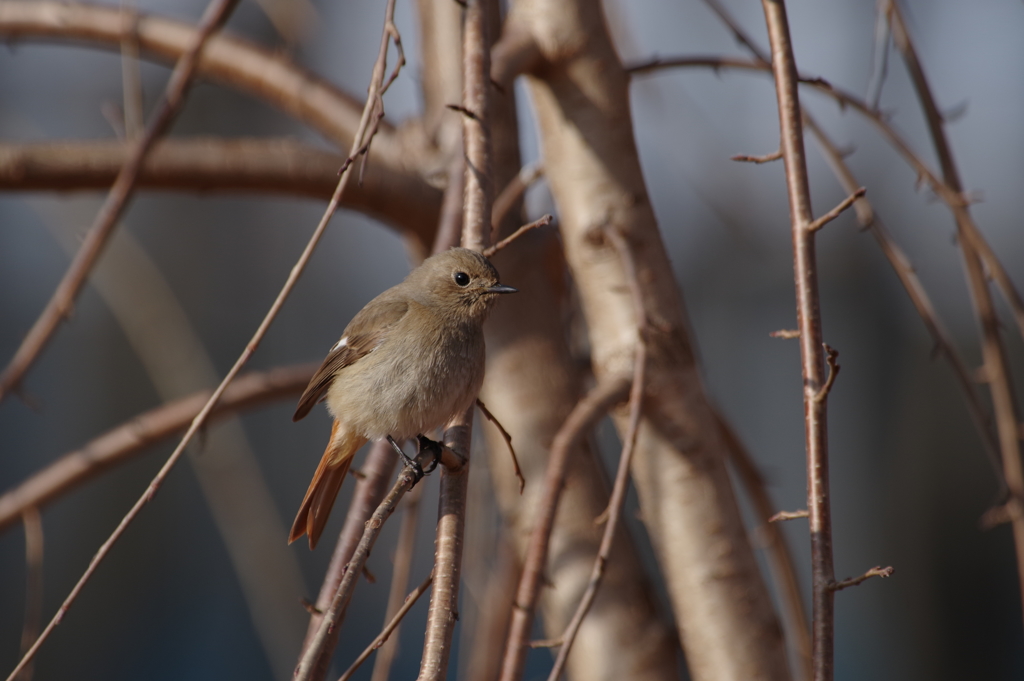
[[908, 475]]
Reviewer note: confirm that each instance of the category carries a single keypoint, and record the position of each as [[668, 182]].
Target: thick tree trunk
[[727, 625]]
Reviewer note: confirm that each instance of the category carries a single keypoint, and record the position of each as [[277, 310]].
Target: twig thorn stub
[[463, 110], [833, 371], [766, 158], [877, 571], [789, 515], [837, 211]]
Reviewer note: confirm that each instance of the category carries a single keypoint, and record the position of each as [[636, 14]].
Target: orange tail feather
[[323, 490]]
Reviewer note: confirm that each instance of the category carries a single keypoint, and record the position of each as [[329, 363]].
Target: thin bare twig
[[897, 258], [618, 496], [837, 211], [514, 191], [954, 198], [977, 256], [131, 80], [146, 429], [811, 345], [508, 441], [395, 620], [378, 467], [335, 612], [404, 553], [501, 245], [33, 584], [901, 264], [375, 86], [476, 234], [591, 408], [876, 571], [62, 302]]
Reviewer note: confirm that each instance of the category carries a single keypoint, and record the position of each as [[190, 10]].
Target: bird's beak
[[501, 288]]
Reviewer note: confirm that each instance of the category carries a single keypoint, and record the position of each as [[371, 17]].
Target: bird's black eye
[[461, 278]]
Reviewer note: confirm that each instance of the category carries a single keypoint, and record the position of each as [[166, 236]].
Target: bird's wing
[[364, 333]]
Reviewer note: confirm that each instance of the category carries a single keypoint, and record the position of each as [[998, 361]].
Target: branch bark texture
[[62, 302], [811, 344], [236, 63], [726, 621], [145, 430], [212, 164]]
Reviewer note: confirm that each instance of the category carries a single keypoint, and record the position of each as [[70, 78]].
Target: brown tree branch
[[476, 131], [130, 438], [246, 67], [377, 470], [618, 497], [392, 624], [587, 412], [513, 192], [955, 199], [534, 380], [766, 158], [501, 245], [838, 210], [901, 264], [816, 385], [508, 441], [62, 302], [780, 562], [33, 584], [476, 233], [876, 571], [359, 142], [996, 364], [726, 621], [789, 515], [212, 164], [404, 554], [335, 612]]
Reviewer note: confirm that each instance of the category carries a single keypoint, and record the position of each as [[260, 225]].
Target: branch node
[[310, 606]]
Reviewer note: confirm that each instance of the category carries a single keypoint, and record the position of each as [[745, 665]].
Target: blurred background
[[910, 480]]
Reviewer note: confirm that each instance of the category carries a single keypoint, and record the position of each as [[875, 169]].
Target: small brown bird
[[406, 364]]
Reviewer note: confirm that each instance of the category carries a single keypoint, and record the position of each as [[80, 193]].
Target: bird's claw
[[435, 449]]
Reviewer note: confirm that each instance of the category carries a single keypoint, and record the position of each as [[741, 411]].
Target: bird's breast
[[411, 383]]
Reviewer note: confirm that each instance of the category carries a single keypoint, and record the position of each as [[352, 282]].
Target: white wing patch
[[340, 344]]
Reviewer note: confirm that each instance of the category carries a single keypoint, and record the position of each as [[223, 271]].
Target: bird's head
[[462, 281]]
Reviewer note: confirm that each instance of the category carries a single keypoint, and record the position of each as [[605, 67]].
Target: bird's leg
[[425, 444], [412, 463]]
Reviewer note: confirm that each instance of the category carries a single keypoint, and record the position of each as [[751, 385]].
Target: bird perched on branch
[[407, 363]]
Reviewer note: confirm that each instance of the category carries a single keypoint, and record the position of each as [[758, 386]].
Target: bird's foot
[[431, 447], [426, 447]]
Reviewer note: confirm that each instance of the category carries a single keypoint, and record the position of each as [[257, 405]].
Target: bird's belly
[[407, 397]]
